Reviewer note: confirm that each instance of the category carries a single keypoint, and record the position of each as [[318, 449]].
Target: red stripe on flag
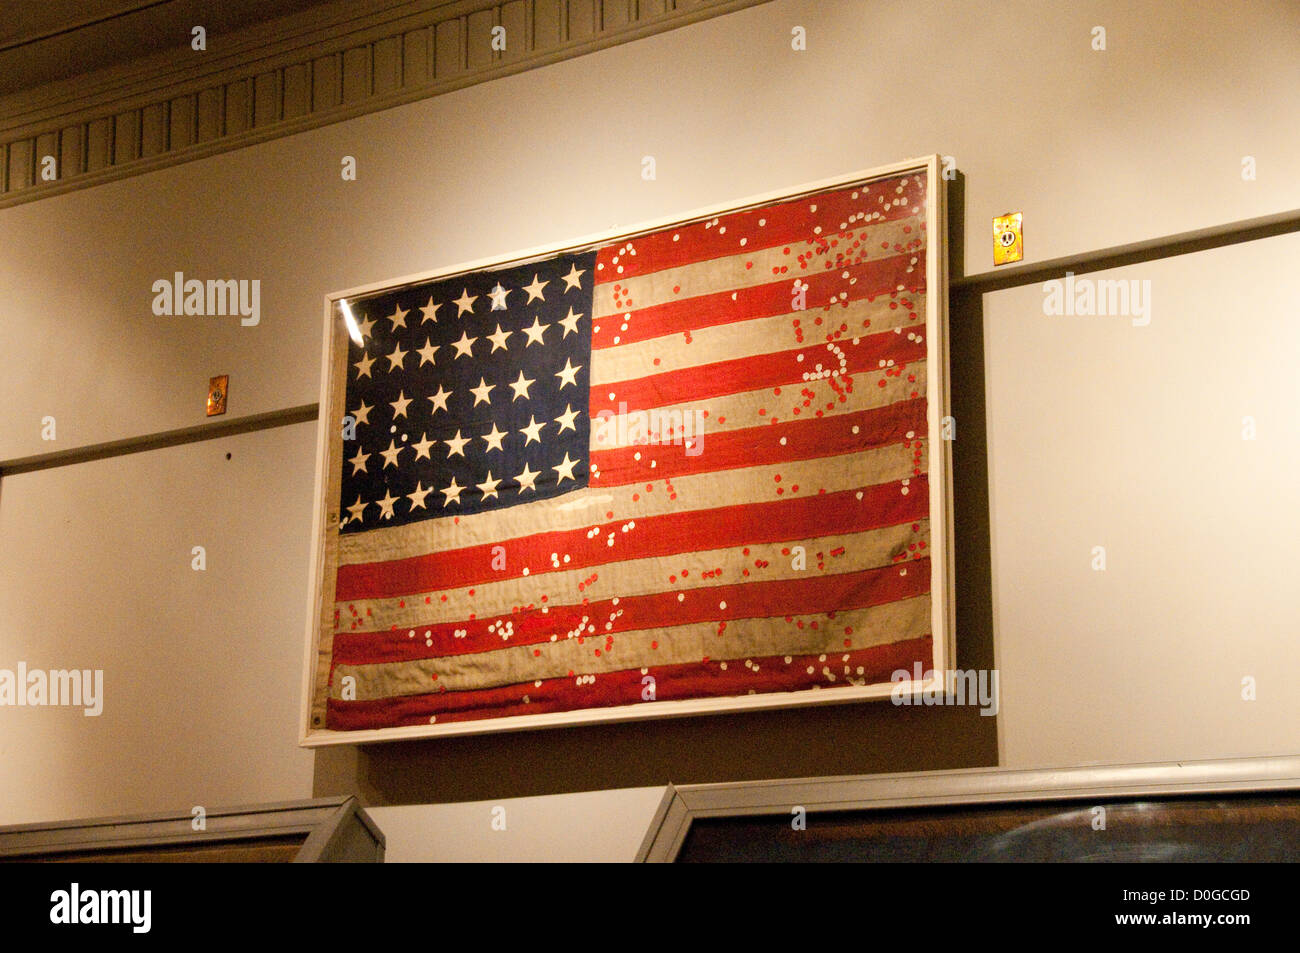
[[843, 513], [752, 600], [789, 222], [724, 378], [776, 297], [761, 446], [671, 683]]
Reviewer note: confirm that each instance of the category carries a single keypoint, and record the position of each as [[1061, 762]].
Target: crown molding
[[298, 72]]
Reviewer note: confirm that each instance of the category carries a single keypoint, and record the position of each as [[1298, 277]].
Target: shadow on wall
[[822, 740]]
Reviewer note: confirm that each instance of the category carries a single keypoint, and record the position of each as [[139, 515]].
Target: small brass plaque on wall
[[1008, 238], [217, 388]]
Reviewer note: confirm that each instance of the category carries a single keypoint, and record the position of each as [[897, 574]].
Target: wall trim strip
[[1184, 243]]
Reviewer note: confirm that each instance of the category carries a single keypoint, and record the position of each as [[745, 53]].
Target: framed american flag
[[698, 465]]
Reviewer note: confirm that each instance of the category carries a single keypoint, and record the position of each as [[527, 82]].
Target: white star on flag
[[532, 431], [463, 345], [430, 311], [456, 445], [569, 374], [565, 420], [357, 508], [498, 339], [498, 296], [417, 498], [422, 447], [426, 353], [574, 278], [465, 302], [570, 323], [439, 399], [565, 469], [527, 479], [488, 487], [398, 317], [520, 387], [452, 492], [482, 391], [535, 289], [493, 438], [535, 332], [399, 405]]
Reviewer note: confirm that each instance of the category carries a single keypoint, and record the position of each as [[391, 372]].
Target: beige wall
[[1102, 433], [1098, 434], [200, 695], [591, 826]]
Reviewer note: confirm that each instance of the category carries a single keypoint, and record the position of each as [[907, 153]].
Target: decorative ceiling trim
[[301, 72]]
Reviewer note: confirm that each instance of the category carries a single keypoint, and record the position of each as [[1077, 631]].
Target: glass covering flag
[[687, 464]]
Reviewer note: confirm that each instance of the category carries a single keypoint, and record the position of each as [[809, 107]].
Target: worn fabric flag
[[687, 464]]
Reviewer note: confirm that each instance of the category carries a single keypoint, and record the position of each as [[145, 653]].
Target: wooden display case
[[325, 830]]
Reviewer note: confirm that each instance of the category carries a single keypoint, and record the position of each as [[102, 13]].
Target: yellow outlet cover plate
[[1008, 238], [217, 391]]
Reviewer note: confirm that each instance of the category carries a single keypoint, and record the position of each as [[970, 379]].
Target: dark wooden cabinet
[[325, 830]]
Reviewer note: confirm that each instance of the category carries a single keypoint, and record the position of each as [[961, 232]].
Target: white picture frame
[[329, 455]]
